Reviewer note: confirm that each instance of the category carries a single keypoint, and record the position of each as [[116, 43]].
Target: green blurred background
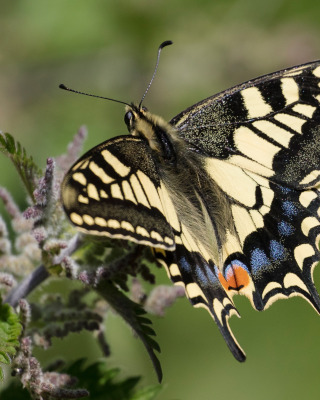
[[109, 48]]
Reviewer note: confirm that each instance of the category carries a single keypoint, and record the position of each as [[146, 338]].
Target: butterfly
[[226, 193]]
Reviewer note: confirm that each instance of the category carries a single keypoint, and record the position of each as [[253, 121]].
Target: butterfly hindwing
[[284, 253], [203, 288], [280, 249]]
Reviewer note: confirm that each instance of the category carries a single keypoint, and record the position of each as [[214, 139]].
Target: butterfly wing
[[113, 190], [261, 141], [200, 278], [259, 150], [268, 125]]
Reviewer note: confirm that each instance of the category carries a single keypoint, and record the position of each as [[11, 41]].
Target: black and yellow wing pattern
[[227, 192]]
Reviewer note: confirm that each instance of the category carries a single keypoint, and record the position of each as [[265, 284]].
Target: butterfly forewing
[[263, 125], [113, 190], [235, 206]]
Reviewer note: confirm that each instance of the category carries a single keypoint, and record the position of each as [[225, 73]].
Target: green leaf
[[104, 383], [147, 393], [26, 167], [131, 312], [10, 330]]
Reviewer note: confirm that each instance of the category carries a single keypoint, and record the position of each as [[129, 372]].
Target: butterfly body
[[226, 192]]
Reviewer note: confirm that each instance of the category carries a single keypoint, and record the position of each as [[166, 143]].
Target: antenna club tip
[[165, 43], [62, 86]]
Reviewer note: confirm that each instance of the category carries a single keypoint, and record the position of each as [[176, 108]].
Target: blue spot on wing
[[289, 209], [240, 264], [285, 229], [210, 274], [201, 276], [259, 261], [277, 251], [185, 265], [284, 189], [205, 276]]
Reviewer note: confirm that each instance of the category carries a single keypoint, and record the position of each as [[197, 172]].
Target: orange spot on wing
[[236, 278], [223, 281]]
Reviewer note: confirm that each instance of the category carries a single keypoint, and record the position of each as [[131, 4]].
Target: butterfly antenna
[[64, 87], [162, 45]]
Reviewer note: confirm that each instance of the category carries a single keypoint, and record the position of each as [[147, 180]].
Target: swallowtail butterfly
[[227, 192]]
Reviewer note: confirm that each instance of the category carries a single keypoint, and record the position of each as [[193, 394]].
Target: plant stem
[[40, 274]]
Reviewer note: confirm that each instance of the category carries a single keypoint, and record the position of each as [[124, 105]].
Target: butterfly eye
[[128, 119]]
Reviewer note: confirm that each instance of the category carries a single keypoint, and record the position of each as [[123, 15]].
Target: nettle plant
[[42, 245]]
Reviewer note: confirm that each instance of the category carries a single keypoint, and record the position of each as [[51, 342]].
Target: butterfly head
[[133, 114], [154, 129]]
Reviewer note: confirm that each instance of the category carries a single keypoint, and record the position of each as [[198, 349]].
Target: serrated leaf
[[4, 358], [58, 317], [131, 312], [10, 330], [26, 167], [149, 331], [7, 143], [143, 320]]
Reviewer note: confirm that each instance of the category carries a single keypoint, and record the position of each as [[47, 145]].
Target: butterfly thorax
[[199, 203], [158, 133]]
